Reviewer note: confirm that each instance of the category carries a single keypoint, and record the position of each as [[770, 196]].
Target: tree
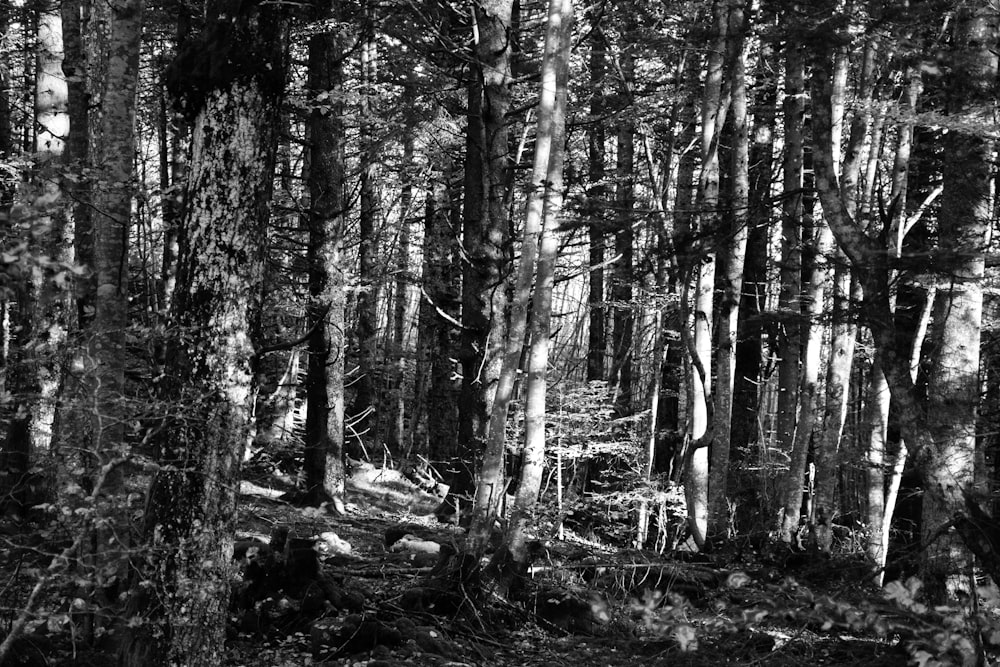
[[545, 203], [323, 464], [485, 244], [596, 336], [940, 430], [714, 106], [732, 252], [230, 81]]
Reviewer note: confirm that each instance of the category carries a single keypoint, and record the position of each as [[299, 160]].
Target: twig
[[289, 344], [57, 565]]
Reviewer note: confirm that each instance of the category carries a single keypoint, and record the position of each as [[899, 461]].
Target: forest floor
[[587, 604]]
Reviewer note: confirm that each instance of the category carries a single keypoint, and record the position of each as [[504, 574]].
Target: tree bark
[[596, 193], [490, 491], [485, 244], [788, 344], [623, 316], [843, 329], [732, 255], [794, 480], [714, 105], [941, 432], [182, 587], [363, 418], [512, 558], [948, 466], [41, 317], [397, 437], [324, 429]]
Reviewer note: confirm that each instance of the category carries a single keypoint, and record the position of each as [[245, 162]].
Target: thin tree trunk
[[881, 507], [844, 330], [789, 299], [397, 432], [364, 421], [486, 245], [511, 559], [793, 482], [596, 193], [40, 324], [488, 493], [732, 256], [623, 316], [324, 429], [713, 115]]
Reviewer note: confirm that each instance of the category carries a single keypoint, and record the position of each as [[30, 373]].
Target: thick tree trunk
[[436, 388], [948, 467], [941, 433], [182, 587], [746, 429]]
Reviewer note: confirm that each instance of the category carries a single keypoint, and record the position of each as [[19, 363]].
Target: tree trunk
[[511, 560], [436, 388], [490, 492], [881, 500], [621, 282], [794, 480], [324, 429], [963, 232], [746, 434], [40, 323], [732, 254], [485, 244], [942, 431], [788, 344], [182, 584], [843, 330], [397, 431], [364, 424], [596, 193], [713, 117]]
